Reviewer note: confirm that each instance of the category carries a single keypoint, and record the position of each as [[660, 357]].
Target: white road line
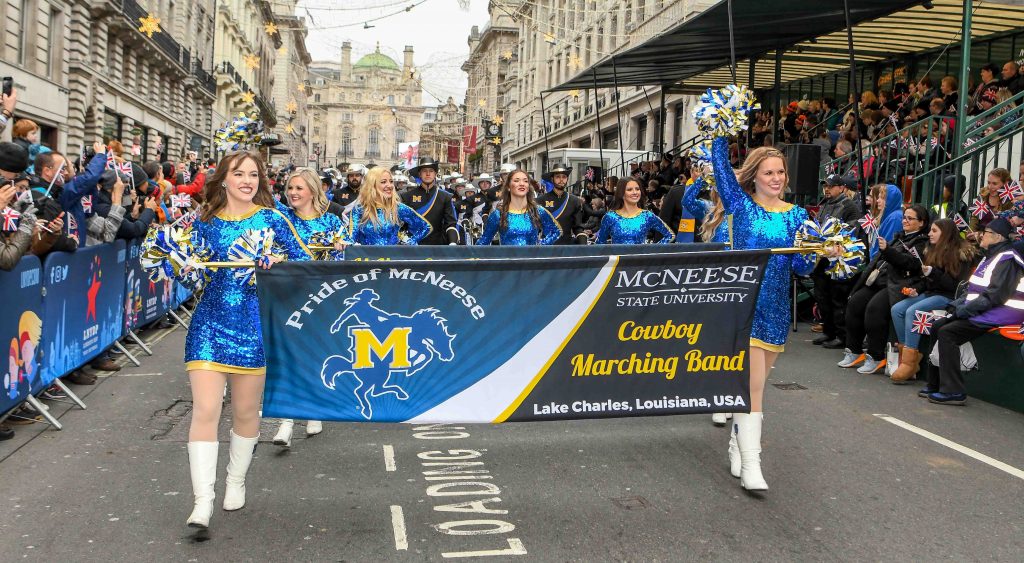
[[398, 523], [389, 457], [1018, 473]]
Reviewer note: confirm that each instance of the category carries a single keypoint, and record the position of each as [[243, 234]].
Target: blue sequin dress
[[359, 230], [757, 227], [632, 230], [225, 332], [318, 230], [520, 231], [702, 208]]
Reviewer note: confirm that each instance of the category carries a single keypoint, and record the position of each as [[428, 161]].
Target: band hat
[[464, 187], [356, 169], [400, 178], [560, 169], [425, 162], [485, 177]]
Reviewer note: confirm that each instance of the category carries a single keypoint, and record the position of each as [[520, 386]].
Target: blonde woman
[[761, 219], [317, 221], [378, 215]]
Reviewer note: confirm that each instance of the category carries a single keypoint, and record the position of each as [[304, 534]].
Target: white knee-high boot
[[284, 433], [239, 458], [202, 464], [314, 427], [748, 438], [734, 452]]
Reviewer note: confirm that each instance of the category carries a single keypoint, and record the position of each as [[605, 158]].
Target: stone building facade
[[559, 39], [440, 133], [246, 48], [291, 87], [87, 72], [360, 113], [492, 52]]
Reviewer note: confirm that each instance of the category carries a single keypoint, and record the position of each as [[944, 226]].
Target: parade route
[[846, 483]]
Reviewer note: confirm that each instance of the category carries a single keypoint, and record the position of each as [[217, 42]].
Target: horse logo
[[384, 346]]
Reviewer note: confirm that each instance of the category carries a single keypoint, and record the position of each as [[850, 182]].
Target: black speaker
[[804, 163]]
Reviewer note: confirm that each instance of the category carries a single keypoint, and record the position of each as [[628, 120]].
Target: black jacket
[[842, 208], [672, 208], [570, 219], [130, 228], [903, 263], [440, 215], [47, 209]]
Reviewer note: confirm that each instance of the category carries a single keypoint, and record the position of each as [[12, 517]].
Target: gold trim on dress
[[196, 365], [295, 233], [225, 217], [758, 343], [784, 207]]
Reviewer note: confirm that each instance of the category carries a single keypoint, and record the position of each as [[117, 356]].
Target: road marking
[[1018, 473], [398, 523], [389, 457]]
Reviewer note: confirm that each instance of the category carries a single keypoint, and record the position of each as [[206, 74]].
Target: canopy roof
[[694, 54]]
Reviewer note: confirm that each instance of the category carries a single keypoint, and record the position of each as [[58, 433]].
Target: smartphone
[[8, 85]]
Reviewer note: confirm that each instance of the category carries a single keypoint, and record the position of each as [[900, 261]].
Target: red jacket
[[195, 188]]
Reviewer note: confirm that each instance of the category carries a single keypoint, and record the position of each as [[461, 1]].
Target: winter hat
[[13, 158], [1000, 226]]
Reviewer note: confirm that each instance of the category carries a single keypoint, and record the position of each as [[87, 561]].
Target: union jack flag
[[1020, 231], [979, 208], [10, 219], [186, 220], [588, 175], [960, 222], [185, 176], [87, 204], [111, 165], [867, 223], [1014, 187], [125, 168], [914, 253], [934, 142], [923, 321], [969, 142], [1005, 193], [181, 200], [830, 168]]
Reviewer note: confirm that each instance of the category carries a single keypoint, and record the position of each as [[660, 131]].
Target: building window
[[346, 141], [408, 100], [373, 146], [55, 44], [374, 118], [25, 27], [391, 100], [316, 97]]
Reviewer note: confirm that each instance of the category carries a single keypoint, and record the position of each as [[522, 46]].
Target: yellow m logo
[[366, 344]]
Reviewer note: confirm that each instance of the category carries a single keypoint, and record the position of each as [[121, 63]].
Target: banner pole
[[42, 410], [127, 354], [60, 385]]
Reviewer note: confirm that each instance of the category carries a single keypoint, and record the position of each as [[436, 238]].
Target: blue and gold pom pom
[[833, 233], [253, 245], [724, 113], [241, 133], [168, 250]]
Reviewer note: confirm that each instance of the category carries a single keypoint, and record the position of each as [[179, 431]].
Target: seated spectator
[[948, 261], [1012, 79], [868, 100], [880, 287], [885, 204], [950, 95], [989, 85], [995, 180], [995, 297], [945, 208]]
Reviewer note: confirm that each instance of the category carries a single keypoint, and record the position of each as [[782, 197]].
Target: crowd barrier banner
[[369, 252], [20, 327], [145, 301], [509, 340], [83, 311]]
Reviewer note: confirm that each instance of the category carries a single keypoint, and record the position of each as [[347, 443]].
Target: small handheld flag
[[181, 200], [923, 321], [10, 217], [87, 204], [867, 223], [979, 208]]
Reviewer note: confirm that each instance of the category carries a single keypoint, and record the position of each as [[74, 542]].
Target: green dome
[[377, 60]]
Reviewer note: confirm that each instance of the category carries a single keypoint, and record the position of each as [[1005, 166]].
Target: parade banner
[[509, 340], [370, 252], [83, 311], [20, 327], [144, 300]]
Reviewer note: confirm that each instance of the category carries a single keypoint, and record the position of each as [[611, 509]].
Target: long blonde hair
[[714, 217], [372, 201], [312, 181], [746, 175]]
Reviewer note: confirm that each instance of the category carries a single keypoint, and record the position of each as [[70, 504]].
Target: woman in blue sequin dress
[[224, 342], [518, 220], [626, 222], [318, 222], [713, 227], [761, 219], [378, 216]]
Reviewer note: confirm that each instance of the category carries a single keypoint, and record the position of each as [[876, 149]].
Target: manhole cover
[[789, 386], [631, 503]]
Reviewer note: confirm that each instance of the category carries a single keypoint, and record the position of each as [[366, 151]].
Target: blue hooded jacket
[[892, 217]]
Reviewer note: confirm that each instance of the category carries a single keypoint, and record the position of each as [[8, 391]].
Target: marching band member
[[519, 221], [377, 216], [346, 195], [433, 204], [627, 222], [714, 227], [761, 219], [224, 342], [314, 217], [565, 207]]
